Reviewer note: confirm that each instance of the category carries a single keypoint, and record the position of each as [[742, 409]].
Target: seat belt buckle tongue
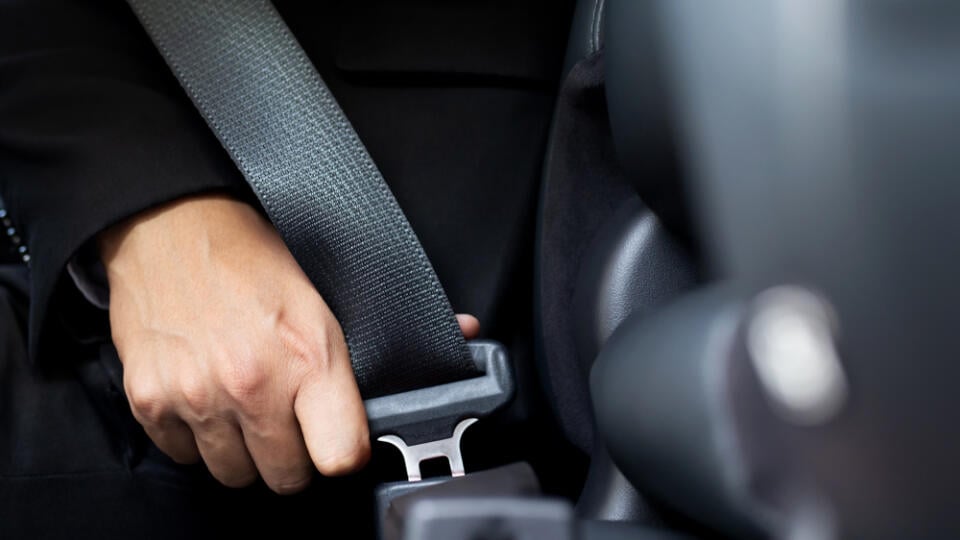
[[429, 422]]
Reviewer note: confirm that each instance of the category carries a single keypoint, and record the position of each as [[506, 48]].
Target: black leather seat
[[603, 253], [809, 390]]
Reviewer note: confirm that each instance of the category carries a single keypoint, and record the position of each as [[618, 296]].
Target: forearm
[[93, 130]]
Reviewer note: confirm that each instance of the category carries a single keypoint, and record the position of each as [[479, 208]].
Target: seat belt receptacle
[[429, 422]]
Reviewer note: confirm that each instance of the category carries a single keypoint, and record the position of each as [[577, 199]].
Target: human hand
[[229, 353]]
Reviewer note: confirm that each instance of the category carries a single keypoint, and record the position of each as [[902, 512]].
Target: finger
[[222, 448], [277, 448], [147, 396], [175, 439], [332, 418], [469, 325]]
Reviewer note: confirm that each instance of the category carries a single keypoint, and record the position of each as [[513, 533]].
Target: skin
[[230, 355]]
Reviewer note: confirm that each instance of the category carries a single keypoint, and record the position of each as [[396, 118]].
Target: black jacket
[[454, 109], [93, 129]]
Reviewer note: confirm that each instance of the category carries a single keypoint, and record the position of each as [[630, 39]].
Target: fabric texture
[[276, 118], [94, 128], [92, 131], [75, 464], [583, 187]]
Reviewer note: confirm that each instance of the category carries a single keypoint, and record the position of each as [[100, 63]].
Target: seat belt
[[264, 100]]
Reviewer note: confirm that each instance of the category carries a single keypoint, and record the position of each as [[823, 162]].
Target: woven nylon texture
[[258, 91]]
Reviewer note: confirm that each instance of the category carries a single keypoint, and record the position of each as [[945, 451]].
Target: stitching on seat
[[595, 33]]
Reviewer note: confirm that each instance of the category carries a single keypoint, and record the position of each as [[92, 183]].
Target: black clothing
[[453, 100], [74, 464]]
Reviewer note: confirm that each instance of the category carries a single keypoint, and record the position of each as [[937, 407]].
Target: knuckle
[[245, 382], [314, 349], [196, 395], [147, 401], [301, 347]]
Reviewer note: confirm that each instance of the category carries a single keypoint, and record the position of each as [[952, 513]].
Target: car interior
[[713, 238]]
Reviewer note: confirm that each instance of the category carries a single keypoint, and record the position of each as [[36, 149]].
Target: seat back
[[602, 252], [811, 392]]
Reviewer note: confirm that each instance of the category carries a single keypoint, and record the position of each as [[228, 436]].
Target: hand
[[229, 353]]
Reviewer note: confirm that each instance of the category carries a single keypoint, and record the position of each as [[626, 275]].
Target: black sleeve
[[93, 129]]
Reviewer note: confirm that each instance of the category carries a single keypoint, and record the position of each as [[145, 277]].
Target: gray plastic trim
[[430, 414]]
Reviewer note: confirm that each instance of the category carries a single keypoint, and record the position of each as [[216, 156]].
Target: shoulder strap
[[264, 100]]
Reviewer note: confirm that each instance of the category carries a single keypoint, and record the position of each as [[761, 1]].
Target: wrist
[[166, 230]]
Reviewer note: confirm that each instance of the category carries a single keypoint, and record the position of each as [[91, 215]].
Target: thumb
[[332, 418]]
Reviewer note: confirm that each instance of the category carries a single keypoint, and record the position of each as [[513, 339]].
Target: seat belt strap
[[259, 93]]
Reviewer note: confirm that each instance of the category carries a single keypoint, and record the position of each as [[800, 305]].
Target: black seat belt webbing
[[265, 101]]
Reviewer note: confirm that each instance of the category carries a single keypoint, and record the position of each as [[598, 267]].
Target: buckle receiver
[[429, 422]]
